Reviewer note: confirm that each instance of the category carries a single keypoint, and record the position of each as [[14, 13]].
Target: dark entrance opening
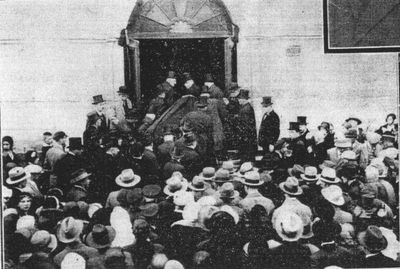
[[196, 56]]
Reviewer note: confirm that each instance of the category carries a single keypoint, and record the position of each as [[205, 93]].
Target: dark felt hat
[[151, 191], [267, 101], [293, 126], [302, 120], [97, 99], [101, 236], [79, 175], [149, 210], [244, 94], [208, 78], [75, 143], [355, 119], [123, 90]]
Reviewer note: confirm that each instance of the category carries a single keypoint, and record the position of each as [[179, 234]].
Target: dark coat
[[170, 93], [331, 254], [157, 106], [172, 166], [65, 167], [290, 255], [379, 261], [269, 130], [217, 111], [91, 138], [300, 155], [202, 124], [77, 193], [247, 133], [192, 162], [215, 92], [163, 152]]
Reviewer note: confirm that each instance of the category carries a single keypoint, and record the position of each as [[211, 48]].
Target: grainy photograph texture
[[199, 134]]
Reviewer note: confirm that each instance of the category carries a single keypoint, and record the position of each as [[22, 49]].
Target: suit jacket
[[331, 254], [269, 130], [192, 161], [290, 255], [379, 261], [247, 133]]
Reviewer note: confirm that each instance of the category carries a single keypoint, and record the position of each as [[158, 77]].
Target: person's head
[[141, 229], [81, 178], [123, 93], [188, 80], [390, 118], [60, 137], [8, 143], [267, 104], [353, 122], [75, 145], [302, 120], [24, 202], [171, 78], [47, 138], [161, 94], [158, 261]]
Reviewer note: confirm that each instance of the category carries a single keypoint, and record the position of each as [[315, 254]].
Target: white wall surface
[[55, 55]]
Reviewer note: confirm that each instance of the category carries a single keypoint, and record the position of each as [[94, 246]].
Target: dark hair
[[391, 115], [8, 139], [47, 134], [59, 135]]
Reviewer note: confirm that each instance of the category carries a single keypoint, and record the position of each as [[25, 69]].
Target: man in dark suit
[[210, 87], [190, 86], [191, 159], [247, 133], [168, 86], [174, 165], [269, 129], [299, 148], [70, 163], [374, 242]]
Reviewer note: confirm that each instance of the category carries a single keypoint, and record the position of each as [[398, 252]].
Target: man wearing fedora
[[269, 128], [68, 232], [70, 163], [126, 180], [168, 87], [374, 242], [252, 182], [190, 86], [211, 88], [341, 145], [80, 181], [246, 126]]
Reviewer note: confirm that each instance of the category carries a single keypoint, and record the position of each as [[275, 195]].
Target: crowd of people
[[203, 195]]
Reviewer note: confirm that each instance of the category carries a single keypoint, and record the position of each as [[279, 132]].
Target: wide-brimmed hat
[[97, 99], [101, 236], [328, 175], [222, 176], [325, 125], [175, 183], [291, 186], [310, 174], [333, 194], [343, 143], [79, 175], [182, 198], [208, 173], [127, 179], [349, 155], [16, 175], [43, 239], [123, 90], [246, 167], [326, 164], [151, 191], [289, 226], [267, 101], [229, 166], [197, 184], [33, 169], [149, 210], [75, 143], [372, 239], [252, 179], [227, 191], [302, 120], [69, 230], [355, 119]]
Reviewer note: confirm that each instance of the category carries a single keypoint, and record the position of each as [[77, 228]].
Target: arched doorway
[[195, 36]]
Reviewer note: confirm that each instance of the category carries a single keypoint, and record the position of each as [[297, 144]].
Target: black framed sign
[[361, 26]]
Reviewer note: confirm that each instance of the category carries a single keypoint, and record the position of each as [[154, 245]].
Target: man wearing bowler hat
[[168, 86], [269, 129], [70, 163], [211, 88]]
